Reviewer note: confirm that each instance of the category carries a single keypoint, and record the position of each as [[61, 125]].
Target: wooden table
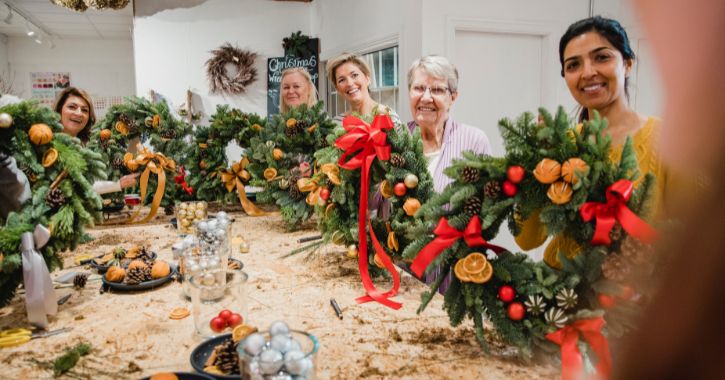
[[132, 335]]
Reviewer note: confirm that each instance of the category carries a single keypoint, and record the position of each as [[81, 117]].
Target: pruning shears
[[14, 337]]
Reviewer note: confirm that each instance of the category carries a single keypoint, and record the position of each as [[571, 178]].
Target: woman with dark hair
[[77, 117], [596, 62]]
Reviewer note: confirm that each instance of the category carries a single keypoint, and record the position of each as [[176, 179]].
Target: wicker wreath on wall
[[235, 81]]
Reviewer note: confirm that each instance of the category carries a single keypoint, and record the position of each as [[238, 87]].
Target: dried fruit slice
[[484, 275], [460, 272], [49, 158], [242, 331], [179, 313], [474, 263], [378, 261]]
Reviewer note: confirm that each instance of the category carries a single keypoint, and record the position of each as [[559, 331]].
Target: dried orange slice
[[460, 272], [378, 261], [214, 370], [474, 263], [482, 276], [179, 313], [242, 331], [49, 157]]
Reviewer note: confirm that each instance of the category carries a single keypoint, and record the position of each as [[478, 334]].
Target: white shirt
[[433, 158]]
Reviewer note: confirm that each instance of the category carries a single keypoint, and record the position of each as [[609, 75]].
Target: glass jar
[[214, 291], [289, 355]]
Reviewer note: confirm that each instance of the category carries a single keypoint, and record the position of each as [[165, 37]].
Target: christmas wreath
[[61, 173], [210, 173], [222, 81], [144, 121], [531, 303], [382, 161], [83, 5], [281, 160]]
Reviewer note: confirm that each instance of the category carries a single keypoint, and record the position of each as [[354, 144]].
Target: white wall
[[101, 67], [172, 41]]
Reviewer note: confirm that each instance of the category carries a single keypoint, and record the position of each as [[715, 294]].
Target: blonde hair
[[311, 99], [438, 67], [342, 59]]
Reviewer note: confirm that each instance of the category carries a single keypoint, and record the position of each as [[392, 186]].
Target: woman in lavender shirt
[[433, 88]]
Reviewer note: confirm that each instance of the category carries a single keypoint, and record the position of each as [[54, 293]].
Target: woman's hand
[[128, 180]]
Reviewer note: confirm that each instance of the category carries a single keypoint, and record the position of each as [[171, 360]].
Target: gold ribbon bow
[[155, 163], [235, 177], [311, 185]]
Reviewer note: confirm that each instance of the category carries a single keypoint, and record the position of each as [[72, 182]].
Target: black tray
[[188, 376], [201, 354], [104, 268], [142, 286]]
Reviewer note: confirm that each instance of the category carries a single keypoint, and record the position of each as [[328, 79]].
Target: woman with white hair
[[296, 89], [433, 88]]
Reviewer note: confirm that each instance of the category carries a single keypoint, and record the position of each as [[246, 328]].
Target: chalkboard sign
[[276, 65]]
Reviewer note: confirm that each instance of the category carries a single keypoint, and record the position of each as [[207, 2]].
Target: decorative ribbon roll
[[362, 144], [235, 177], [40, 299], [181, 180], [615, 210], [155, 163], [446, 236], [571, 358]]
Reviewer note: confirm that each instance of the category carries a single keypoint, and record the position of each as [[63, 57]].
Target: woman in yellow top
[[596, 61]]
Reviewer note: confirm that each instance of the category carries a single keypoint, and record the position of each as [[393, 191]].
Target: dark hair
[[608, 28], [85, 134]]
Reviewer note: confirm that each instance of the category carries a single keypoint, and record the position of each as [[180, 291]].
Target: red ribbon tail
[[388, 263], [635, 226]]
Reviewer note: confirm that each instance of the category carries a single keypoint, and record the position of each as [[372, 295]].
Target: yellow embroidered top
[[533, 232]]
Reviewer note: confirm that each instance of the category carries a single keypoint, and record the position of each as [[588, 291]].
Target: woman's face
[[295, 89], [430, 99], [595, 71], [74, 115], [352, 83]]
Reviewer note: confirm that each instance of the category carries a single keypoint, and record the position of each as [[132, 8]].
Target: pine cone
[[125, 119], [227, 358], [169, 209], [472, 206], [617, 233], [302, 124], [616, 267], [117, 163], [397, 160], [145, 256], [203, 173], [55, 198], [137, 275], [470, 174], [492, 189], [294, 191], [168, 134], [79, 281], [132, 129], [636, 251]]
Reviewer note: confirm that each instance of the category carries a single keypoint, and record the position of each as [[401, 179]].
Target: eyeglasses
[[434, 91]]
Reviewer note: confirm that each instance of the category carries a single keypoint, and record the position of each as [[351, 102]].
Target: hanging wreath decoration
[[589, 200], [221, 81], [83, 5], [61, 173], [282, 161], [376, 160]]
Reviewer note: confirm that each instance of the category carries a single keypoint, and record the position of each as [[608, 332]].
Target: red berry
[[399, 189], [506, 293], [509, 189], [605, 301], [218, 324], [325, 194], [515, 174], [516, 311], [224, 314], [235, 320]]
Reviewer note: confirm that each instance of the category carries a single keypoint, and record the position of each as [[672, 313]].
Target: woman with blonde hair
[[351, 77], [296, 88]]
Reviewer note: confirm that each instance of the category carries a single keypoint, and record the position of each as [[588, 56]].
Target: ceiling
[[63, 23]]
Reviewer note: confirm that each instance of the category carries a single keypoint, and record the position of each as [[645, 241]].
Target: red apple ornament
[[399, 189], [516, 311], [509, 189], [218, 324], [515, 174], [506, 293]]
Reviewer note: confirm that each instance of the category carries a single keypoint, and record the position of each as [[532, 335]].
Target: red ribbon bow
[[365, 142], [180, 179], [571, 359], [445, 237], [616, 210]]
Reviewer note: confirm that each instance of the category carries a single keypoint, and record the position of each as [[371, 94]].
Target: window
[[383, 83]]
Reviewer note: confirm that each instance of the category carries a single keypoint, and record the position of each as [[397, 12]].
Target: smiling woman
[[296, 89]]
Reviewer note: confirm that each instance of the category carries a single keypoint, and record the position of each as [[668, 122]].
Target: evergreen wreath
[[532, 304], [281, 160], [216, 70], [61, 173], [208, 158], [147, 121], [399, 182], [296, 45]]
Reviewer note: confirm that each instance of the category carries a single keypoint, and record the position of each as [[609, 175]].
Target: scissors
[[14, 337]]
